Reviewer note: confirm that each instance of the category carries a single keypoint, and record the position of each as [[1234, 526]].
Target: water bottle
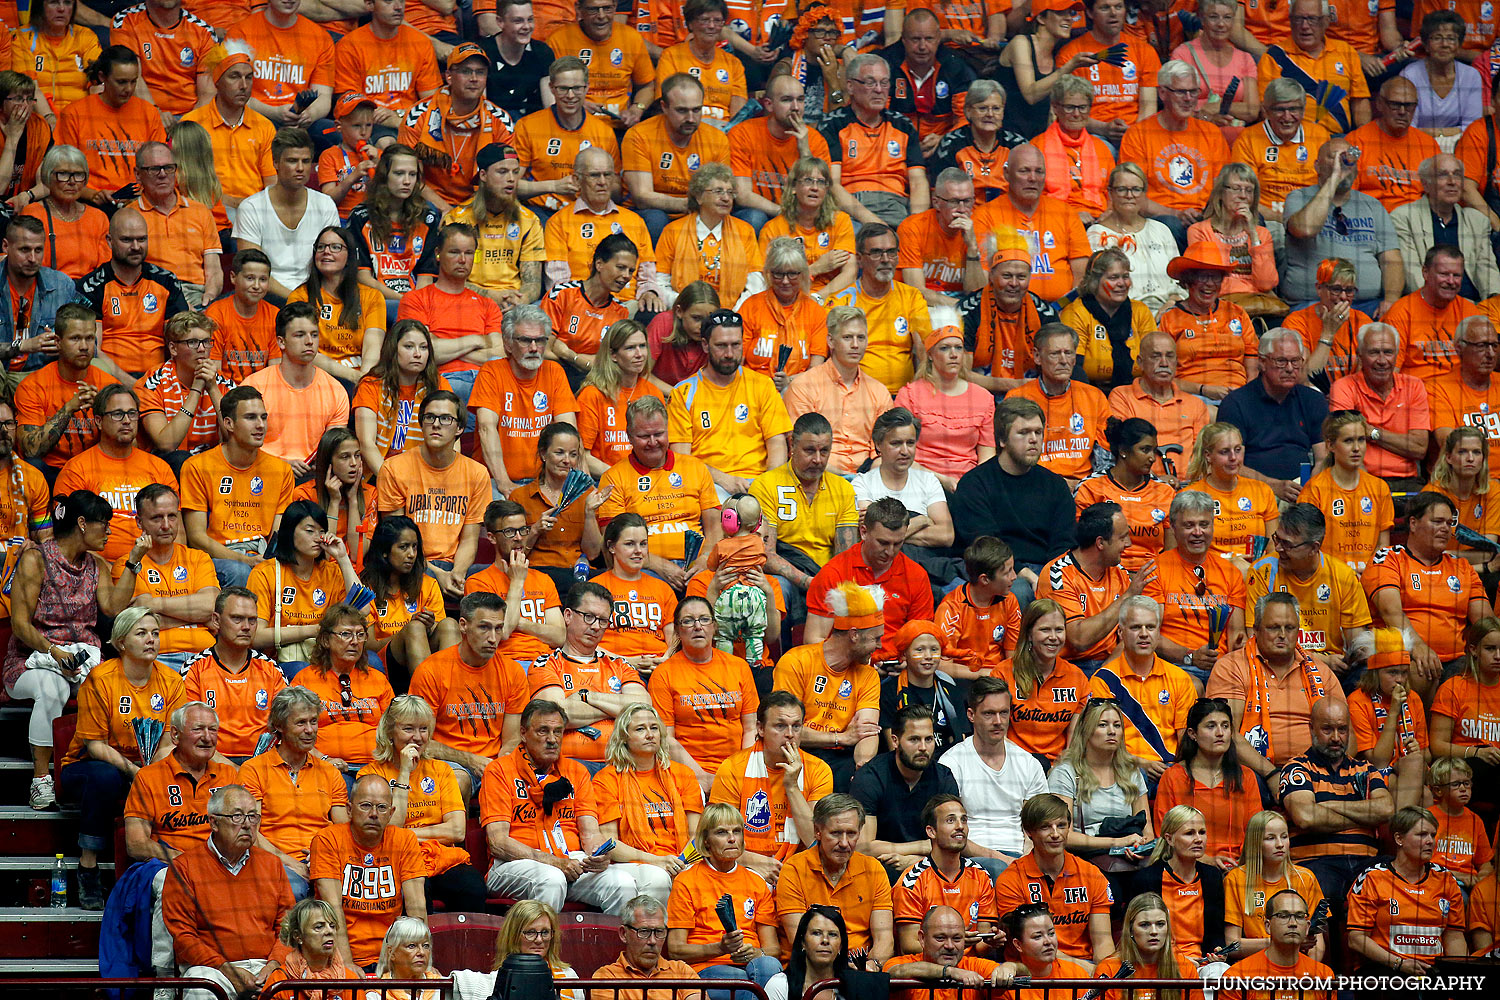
[[59, 895], [581, 569]]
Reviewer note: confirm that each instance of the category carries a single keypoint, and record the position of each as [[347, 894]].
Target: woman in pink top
[[1230, 218], [958, 417], [1217, 61]]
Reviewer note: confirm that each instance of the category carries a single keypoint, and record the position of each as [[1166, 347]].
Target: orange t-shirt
[[1081, 596], [371, 878], [705, 704], [815, 243], [1145, 510], [1260, 968], [173, 803], [1185, 613], [525, 408], [390, 616], [397, 428], [443, 501], [287, 60], [335, 340], [671, 499], [604, 673], [448, 317], [1452, 402], [862, 891], [241, 503], [171, 58], [1117, 89], [1180, 166], [471, 704], [301, 600], [1406, 919], [347, 731], [922, 887], [43, 393], [109, 704], [642, 611], [539, 594], [134, 315], [601, 421], [243, 346], [293, 811], [767, 161], [1473, 707], [723, 78], [1427, 348], [1434, 598], [769, 327], [1253, 924], [979, 638], [74, 248], [1039, 722], [611, 787], [618, 67], [391, 72], [648, 148], [1054, 235], [184, 573], [243, 700], [695, 897], [118, 480], [1073, 897], [1224, 810], [1212, 349], [1343, 356], [1241, 515], [510, 793], [433, 793], [1462, 844], [109, 137], [1355, 517], [1368, 714], [1388, 165], [762, 800], [334, 164], [1073, 423], [938, 255]]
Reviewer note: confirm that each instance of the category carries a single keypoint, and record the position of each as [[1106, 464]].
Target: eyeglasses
[[537, 937], [1181, 92], [121, 414], [649, 933], [1342, 289], [882, 254], [198, 343], [1460, 783], [1401, 105], [159, 171], [873, 82], [530, 341], [70, 176], [1285, 363], [1129, 192], [592, 621], [1305, 18], [377, 808], [439, 419], [583, 89], [1076, 109], [350, 635], [7, 425], [785, 275], [954, 201], [700, 621], [512, 533], [330, 248], [239, 819], [1288, 915], [813, 181], [1282, 543], [823, 33]]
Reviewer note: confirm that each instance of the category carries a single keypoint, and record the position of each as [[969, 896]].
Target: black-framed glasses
[[346, 691], [723, 317], [1200, 587], [121, 414], [440, 419], [1340, 221], [159, 171], [591, 620], [239, 818], [648, 933], [514, 534], [1284, 545]]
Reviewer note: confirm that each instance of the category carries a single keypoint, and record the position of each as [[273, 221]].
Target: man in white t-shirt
[[995, 777], [258, 225]]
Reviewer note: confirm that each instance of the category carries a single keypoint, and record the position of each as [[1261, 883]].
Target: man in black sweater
[[1014, 499]]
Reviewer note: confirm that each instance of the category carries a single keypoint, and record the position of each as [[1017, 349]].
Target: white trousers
[[49, 694], [608, 890]]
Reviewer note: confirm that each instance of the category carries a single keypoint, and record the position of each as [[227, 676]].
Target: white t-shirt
[[921, 492], [290, 250], [994, 798]]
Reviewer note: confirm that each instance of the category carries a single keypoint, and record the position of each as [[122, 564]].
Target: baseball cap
[[350, 103], [464, 51]]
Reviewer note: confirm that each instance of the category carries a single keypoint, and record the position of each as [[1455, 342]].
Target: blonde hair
[[715, 814], [1334, 425], [1025, 670], [1208, 439], [1127, 775], [1251, 857], [1442, 469], [617, 750], [403, 931], [193, 150], [1176, 818], [522, 914], [1166, 961], [605, 374], [403, 708], [298, 916]]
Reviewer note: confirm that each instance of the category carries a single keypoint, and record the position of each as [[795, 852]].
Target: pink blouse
[[953, 427], [1254, 268], [1217, 78]]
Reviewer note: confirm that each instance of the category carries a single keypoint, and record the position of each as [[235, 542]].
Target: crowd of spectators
[[987, 492]]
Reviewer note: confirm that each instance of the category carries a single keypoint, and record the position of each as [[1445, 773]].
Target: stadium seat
[[467, 940]]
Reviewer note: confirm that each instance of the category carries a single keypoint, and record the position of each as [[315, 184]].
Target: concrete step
[[16, 968], [26, 832]]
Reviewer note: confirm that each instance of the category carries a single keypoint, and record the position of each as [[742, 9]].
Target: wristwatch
[[134, 567], [1188, 659], [1375, 434]]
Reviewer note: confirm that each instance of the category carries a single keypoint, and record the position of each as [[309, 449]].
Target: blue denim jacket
[[53, 291]]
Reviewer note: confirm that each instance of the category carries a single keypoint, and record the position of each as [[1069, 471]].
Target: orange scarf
[[296, 967], [1079, 182], [736, 246], [1004, 341], [1258, 705], [635, 825]]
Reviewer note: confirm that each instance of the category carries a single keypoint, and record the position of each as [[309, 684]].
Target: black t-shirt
[[518, 88], [950, 726], [880, 788]]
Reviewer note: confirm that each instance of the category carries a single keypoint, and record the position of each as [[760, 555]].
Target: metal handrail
[[294, 986], [92, 985], [1078, 986]]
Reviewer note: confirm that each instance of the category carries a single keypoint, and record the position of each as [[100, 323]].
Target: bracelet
[[397, 784]]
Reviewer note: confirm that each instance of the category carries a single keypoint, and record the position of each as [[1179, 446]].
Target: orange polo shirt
[[1165, 696], [179, 239], [547, 149], [1052, 231], [173, 803], [850, 406], [1282, 167], [293, 810], [184, 572], [1338, 64], [242, 151], [1289, 699], [832, 698], [671, 499], [723, 77], [1177, 421], [863, 889]]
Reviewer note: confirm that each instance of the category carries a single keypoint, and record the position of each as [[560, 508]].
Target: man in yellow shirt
[[896, 312], [808, 515]]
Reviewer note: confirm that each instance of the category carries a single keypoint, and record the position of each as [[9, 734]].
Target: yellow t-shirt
[[728, 427], [1330, 601], [503, 247], [895, 322], [335, 340], [806, 524]]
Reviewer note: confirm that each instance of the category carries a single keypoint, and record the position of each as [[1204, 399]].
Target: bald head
[[127, 237], [1329, 726], [943, 936], [1026, 172], [1397, 105]]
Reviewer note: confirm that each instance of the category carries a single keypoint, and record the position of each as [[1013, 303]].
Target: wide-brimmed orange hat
[[1205, 255]]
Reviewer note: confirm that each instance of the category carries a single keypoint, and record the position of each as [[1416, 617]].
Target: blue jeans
[[232, 572], [655, 219], [1022, 588], [176, 661], [993, 867], [301, 887], [462, 384], [99, 789], [754, 216], [759, 971]]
